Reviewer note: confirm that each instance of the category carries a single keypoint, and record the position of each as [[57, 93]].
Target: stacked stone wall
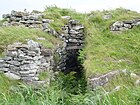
[[25, 61], [73, 42], [124, 25], [31, 20]]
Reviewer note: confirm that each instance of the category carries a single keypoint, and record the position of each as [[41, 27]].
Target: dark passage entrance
[[73, 38], [73, 64], [69, 56]]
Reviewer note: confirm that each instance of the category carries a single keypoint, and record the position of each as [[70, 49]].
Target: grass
[[6, 83], [9, 35], [104, 49], [1, 23], [18, 93], [108, 48], [44, 75]]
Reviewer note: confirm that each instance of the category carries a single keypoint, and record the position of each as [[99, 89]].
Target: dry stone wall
[[31, 20], [73, 42], [105, 79], [124, 25], [25, 61]]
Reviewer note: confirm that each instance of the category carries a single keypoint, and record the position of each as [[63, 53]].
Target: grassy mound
[[105, 50]]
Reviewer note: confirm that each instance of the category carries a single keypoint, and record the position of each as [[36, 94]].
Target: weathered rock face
[[73, 38], [25, 61], [32, 20], [124, 25]]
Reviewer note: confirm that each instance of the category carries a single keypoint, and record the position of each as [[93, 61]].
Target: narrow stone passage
[[73, 38]]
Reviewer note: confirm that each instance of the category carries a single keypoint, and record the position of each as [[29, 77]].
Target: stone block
[[4, 69], [118, 24], [12, 53], [46, 20], [12, 76], [128, 26], [4, 65], [6, 16], [30, 78], [66, 17]]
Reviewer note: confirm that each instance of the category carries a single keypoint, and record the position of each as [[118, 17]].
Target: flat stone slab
[[12, 76]]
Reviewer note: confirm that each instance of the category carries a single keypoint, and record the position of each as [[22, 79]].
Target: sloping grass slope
[[106, 50], [9, 35]]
